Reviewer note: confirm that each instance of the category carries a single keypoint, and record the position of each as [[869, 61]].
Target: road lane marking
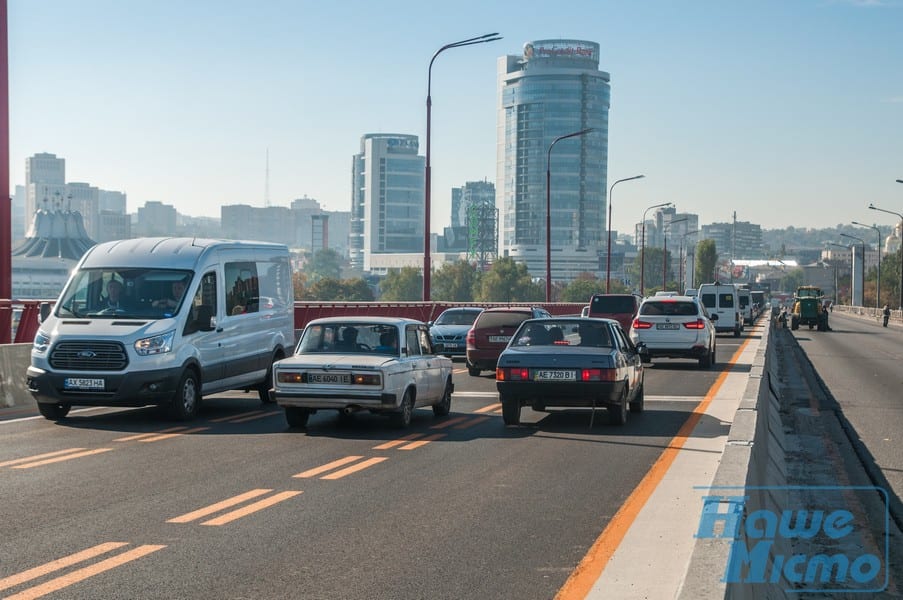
[[138, 436], [327, 467], [471, 423], [588, 571], [398, 442], [476, 394], [39, 456], [694, 399], [167, 436], [84, 573], [423, 442], [448, 423], [268, 413], [60, 563], [490, 408], [251, 508], [227, 503], [238, 416], [355, 468], [49, 461]]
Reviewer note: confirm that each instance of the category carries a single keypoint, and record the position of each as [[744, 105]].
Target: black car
[[570, 362]]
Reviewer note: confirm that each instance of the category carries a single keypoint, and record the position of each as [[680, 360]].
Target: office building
[[554, 88], [736, 240], [387, 200]]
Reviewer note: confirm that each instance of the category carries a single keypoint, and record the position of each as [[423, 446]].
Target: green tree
[[325, 289], [405, 284], [890, 279], [706, 259], [455, 282], [509, 281], [582, 288], [299, 285], [324, 264], [792, 279], [652, 270], [357, 290]]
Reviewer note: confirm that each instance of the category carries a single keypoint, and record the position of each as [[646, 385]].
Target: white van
[[722, 299], [191, 317], [746, 306]]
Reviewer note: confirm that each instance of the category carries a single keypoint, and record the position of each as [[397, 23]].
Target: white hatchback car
[[675, 327], [380, 364]]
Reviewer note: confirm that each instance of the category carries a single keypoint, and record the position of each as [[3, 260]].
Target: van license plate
[[667, 326], [81, 383], [342, 378]]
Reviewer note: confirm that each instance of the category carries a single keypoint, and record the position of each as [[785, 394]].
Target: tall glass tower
[[554, 88]]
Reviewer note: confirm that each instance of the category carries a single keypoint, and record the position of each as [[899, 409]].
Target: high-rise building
[[736, 240], [554, 88], [155, 219], [386, 198]]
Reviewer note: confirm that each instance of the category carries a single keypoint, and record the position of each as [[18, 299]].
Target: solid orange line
[[166, 436], [38, 457], [203, 512], [489, 408], [423, 442], [75, 576], [60, 563], [251, 508], [328, 467], [590, 568], [41, 463], [448, 423], [398, 442], [355, 468]]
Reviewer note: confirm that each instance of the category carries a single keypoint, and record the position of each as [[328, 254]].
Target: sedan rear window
[[683, 309], [501, 319]]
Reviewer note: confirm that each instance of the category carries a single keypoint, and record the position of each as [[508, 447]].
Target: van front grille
[[89, 356]]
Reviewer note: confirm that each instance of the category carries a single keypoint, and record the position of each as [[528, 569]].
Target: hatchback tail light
[[637, 324], [471, 339], [697, 324]]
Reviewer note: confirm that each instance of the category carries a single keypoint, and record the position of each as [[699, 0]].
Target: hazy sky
[[788, 111]]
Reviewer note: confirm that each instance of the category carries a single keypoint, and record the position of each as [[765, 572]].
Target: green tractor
[[808, 309]]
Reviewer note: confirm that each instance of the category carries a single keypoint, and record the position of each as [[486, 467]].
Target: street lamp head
[[872, 206]]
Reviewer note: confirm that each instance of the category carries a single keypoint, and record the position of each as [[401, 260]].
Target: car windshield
[[557, 332], [349, 337], [612, 304], [457, 317], [123, 293], [674, 308]]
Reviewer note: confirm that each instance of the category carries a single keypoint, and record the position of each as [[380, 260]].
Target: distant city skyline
[[788, 113]]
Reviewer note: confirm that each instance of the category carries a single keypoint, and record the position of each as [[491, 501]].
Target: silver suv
[[675, 327]]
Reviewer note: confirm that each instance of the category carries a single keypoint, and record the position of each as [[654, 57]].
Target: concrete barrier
[[14, 359]]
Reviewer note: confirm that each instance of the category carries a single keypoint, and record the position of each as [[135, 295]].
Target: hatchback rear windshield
[[612, 304], [686, 309], [501, 319]]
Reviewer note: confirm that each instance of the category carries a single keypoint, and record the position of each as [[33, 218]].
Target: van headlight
[[41, 342], [159, 344]]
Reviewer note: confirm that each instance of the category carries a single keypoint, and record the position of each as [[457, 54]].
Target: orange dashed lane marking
[[251, 508], [39, 457], [263, 415], [138, 436], [398, 442], [327, 467], [60, 563], [490, 408], [423, 442], [81, 574], [471, 423], [590, 568], [238, 416], [57, 459], [449, 423], [167, 436], [209, 510], [355, 468]]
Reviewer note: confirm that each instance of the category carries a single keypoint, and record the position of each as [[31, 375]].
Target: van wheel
[[186, 400], [402, 418], [54, 412], [443, 407], [263, 389], [296, 416]]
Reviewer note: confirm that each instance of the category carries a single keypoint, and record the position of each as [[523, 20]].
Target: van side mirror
[[44, 312], [713, 317], [204, 319]]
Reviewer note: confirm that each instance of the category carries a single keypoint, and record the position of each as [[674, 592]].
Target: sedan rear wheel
[[639, 401], [510, 411], [296, 416], [617, 413]]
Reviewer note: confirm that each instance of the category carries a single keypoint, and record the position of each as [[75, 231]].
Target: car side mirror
[[429, 323]]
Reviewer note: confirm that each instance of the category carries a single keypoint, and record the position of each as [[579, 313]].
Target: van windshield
[[112, 293]]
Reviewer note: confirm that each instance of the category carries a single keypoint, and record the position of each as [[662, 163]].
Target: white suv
[[675, 327]]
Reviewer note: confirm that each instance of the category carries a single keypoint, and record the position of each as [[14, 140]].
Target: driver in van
[[113, 299], [178, 290]]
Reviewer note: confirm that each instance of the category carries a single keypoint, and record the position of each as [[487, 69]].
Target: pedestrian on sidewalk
[[886, 314]]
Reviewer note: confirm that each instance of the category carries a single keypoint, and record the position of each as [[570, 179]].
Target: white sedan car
[[380, 364], [675, 327]]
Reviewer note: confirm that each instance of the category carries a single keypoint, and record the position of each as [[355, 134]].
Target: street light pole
[[836, 293], [680, 258], [873, 207], [878, 247], [643, 248], [861, 245], [482, 39], [549, 206], [665, 252], [608, 251]]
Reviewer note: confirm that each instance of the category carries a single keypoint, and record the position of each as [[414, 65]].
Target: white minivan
[[164, 321], [722, 299]]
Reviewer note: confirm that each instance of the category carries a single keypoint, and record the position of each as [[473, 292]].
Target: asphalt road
[[237, 505], [861, 364]]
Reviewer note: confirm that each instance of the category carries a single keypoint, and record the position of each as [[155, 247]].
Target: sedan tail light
[[512, 374], [697, 324], [598, 374], [637, 324]]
